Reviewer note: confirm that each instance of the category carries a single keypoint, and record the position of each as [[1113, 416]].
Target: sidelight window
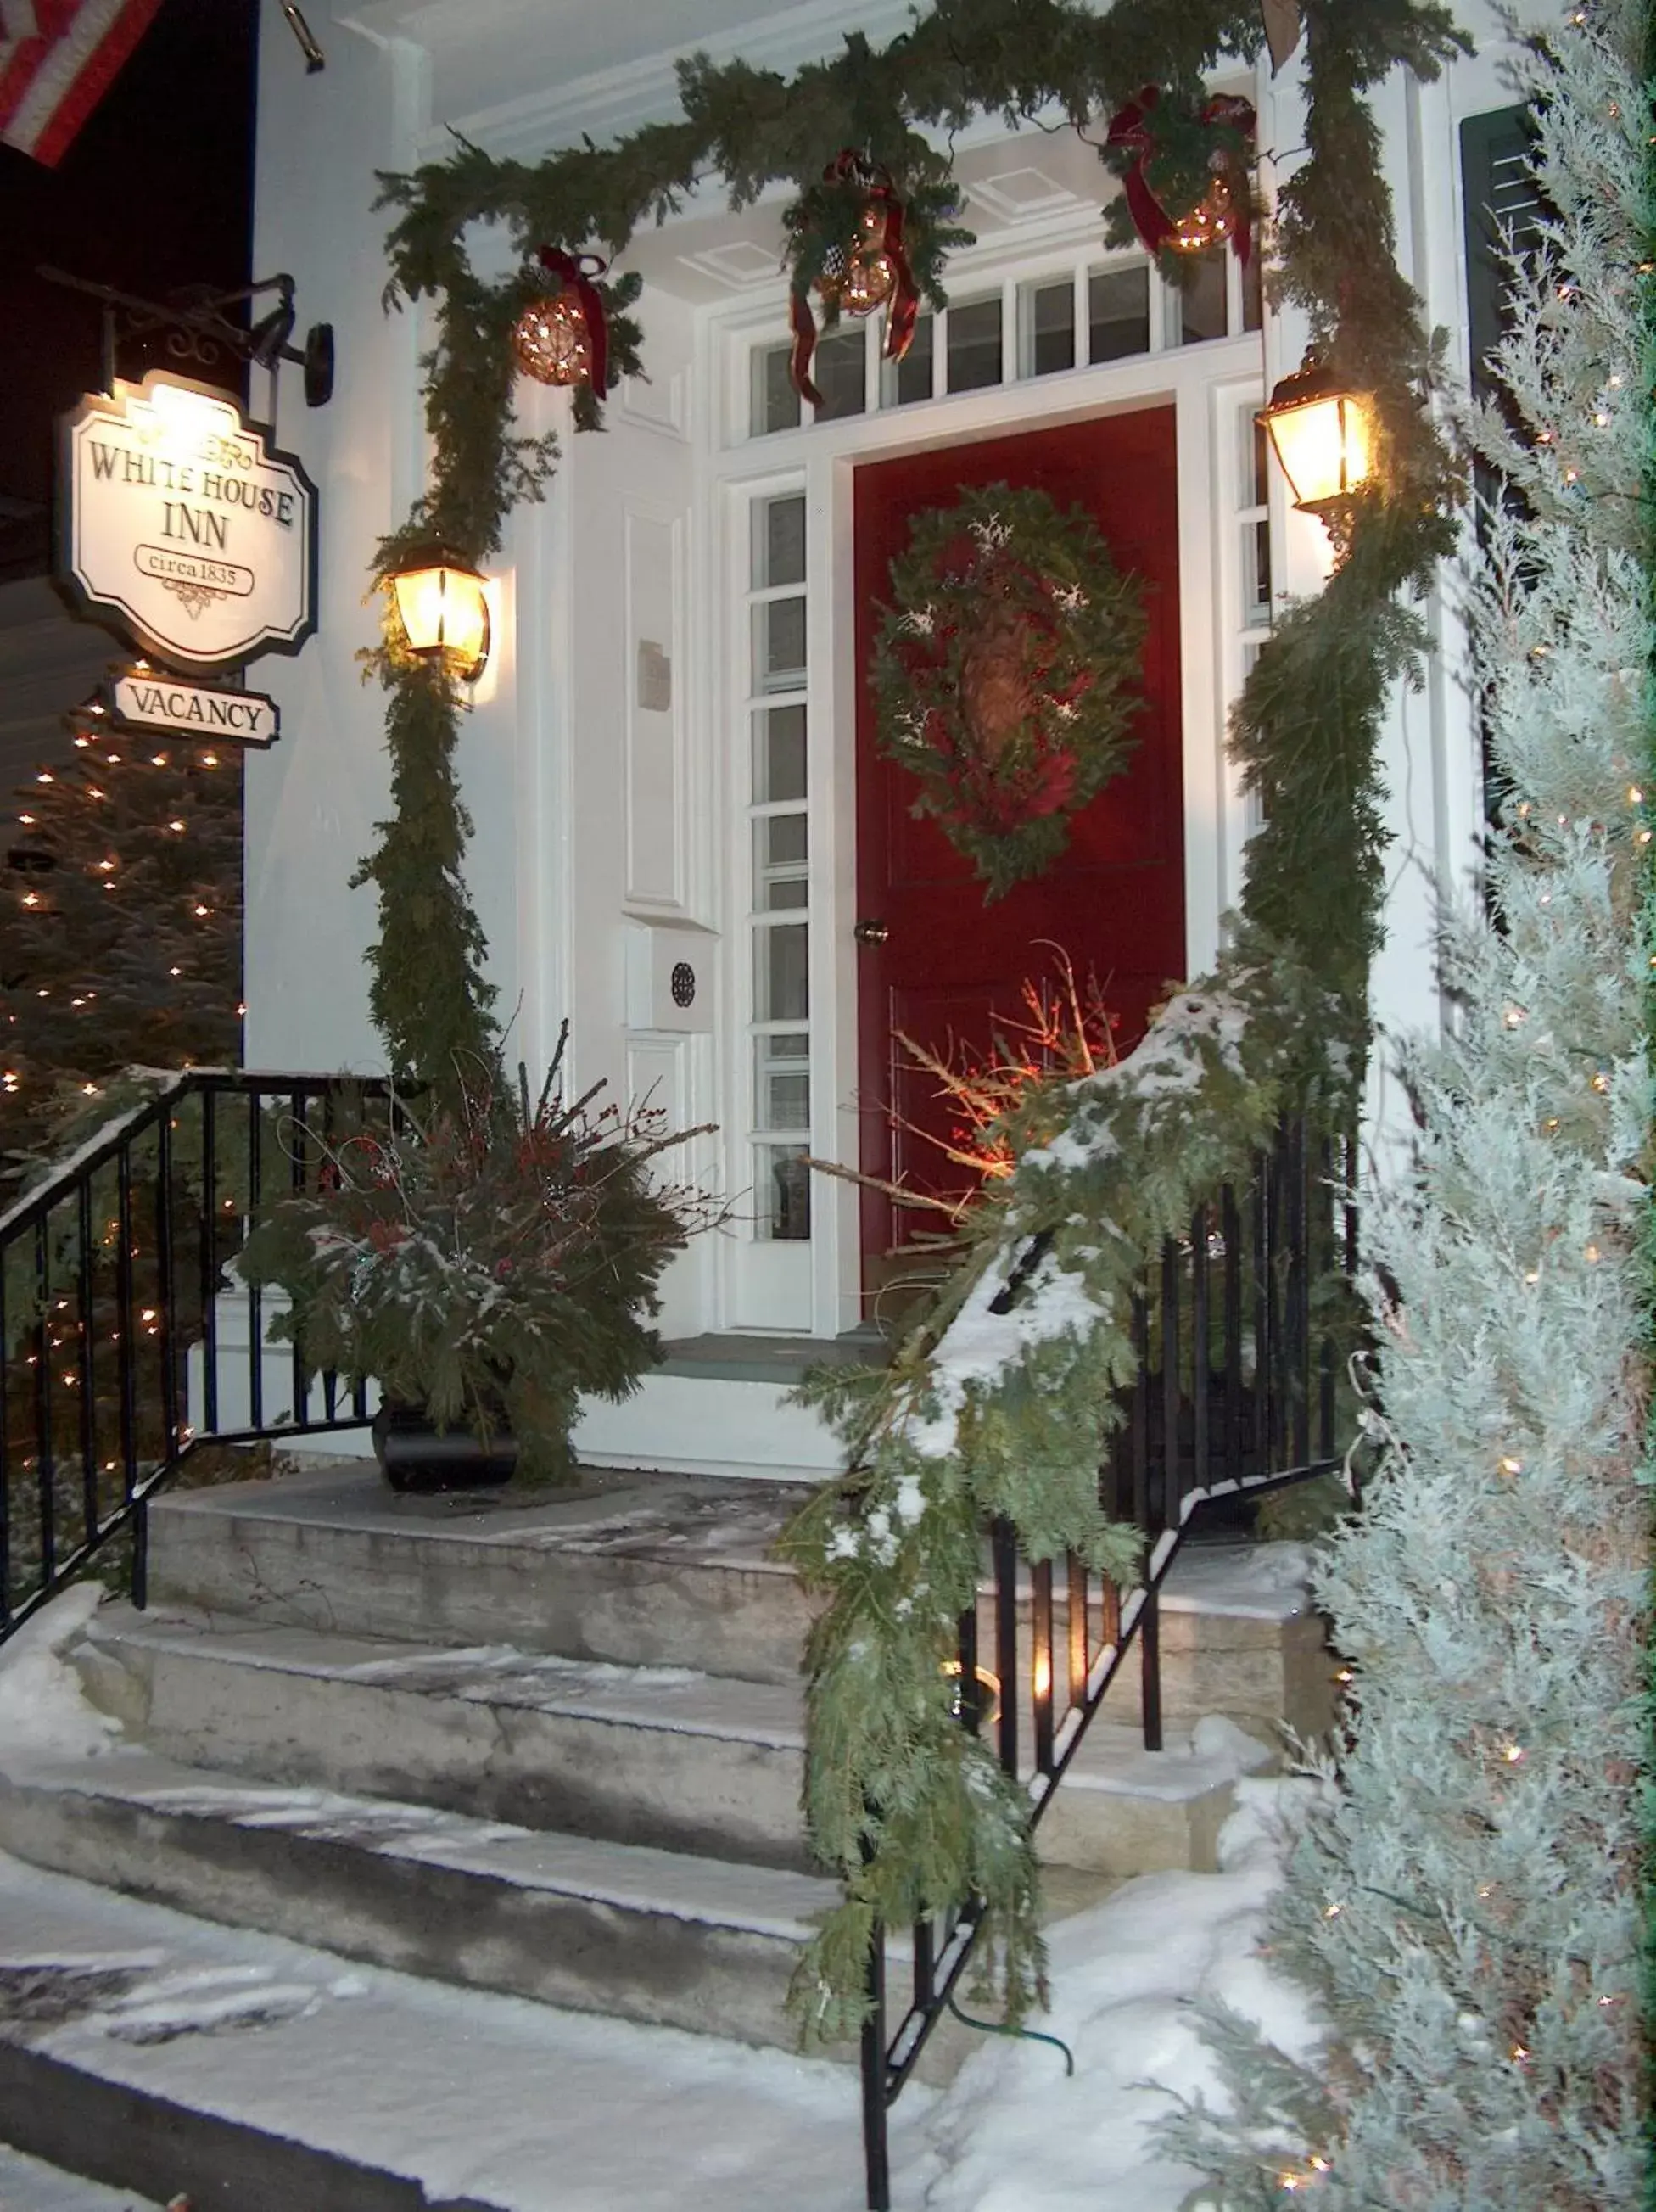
[[779, 905]]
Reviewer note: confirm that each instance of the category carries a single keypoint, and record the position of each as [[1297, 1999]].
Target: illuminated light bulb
[[1643, 837], [1572, 476], [1532, 1276], [209, 760], [1550, 1125], [175, 971], [177, 825], [1346, 1674], [1635, 797], [158, 760], [81, 744], [203, 909], [92, 791], [30, 898], [1485, 1888], [1593, 1256], [1601, 1083], [1518, 2054], [87, 1090], [46, 776], [241, 1005], [1600, 420], [1508, 1465], [114, 760], [1513, 1753], [1515, 1018], [1332, 1911], [28, 820]]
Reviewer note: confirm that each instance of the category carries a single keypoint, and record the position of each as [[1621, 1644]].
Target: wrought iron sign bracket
[[204, 315]]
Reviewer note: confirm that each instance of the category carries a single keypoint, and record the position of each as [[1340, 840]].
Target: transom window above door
[[1079, 317]]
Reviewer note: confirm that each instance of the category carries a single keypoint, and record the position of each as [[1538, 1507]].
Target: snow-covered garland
[[1466, 1913], [985, 1413], [1001, 672]]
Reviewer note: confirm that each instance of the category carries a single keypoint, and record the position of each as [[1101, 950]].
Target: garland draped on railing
[[984, 1411]]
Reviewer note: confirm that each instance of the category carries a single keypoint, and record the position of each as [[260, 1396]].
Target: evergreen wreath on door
[[1003, 675]]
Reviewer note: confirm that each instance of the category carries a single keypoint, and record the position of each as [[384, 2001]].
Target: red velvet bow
[[1129, 128], [578, 270], [902, 309]]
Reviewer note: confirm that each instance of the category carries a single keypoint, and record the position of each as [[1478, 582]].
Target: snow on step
[[668, 1757], [385, 2092], [644, 1934]]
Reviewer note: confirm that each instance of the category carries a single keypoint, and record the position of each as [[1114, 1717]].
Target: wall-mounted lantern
[[1323, 437], [442, 605]]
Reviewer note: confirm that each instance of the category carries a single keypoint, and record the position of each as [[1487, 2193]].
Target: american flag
[[57, 60]]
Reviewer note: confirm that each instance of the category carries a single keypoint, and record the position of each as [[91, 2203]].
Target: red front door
[[1114, 902]]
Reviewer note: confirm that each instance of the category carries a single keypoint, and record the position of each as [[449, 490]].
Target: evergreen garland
[[897, 1803]]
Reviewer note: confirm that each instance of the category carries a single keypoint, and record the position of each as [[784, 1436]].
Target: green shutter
[[1502, 205]]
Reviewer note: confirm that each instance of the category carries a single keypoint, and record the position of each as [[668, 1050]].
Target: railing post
[[44, 1459], [1005, 1546], [1150, 1619], [877, 2153], [209, 1259], [167, 1288], [1040, 1662]]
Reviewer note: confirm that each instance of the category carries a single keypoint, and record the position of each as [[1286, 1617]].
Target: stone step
[[668, 1759], [643, 1570], [647, 1570], [683, 1761], [161, 2054], [641, 1934]]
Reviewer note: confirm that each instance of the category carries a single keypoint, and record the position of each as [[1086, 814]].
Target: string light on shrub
[[1508, 1465]]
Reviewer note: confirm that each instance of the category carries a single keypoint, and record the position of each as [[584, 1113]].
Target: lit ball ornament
[[870, 281], [1214, 218], [552, 341]]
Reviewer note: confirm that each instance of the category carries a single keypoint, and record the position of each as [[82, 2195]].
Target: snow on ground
[[1013, 2134], [25, 2186]]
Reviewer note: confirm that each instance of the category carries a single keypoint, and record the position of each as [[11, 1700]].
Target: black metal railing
[[126, 1342], [1240, 1344]]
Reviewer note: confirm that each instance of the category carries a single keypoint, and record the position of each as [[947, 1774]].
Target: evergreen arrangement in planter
[[489, 1259]]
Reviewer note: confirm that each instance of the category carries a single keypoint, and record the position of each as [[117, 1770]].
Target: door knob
[[871, 932]]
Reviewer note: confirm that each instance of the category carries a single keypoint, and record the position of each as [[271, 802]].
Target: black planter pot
[[414, 1459]]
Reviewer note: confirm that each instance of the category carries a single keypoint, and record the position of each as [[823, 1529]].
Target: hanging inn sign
[[184, 529]]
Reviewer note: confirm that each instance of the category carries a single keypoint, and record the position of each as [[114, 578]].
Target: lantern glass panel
[[1324, 447]]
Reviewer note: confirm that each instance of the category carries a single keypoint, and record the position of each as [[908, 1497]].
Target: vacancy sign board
[[142, 701], [183, 528]]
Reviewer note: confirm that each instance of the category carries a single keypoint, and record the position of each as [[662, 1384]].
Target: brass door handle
[[871, 932]]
